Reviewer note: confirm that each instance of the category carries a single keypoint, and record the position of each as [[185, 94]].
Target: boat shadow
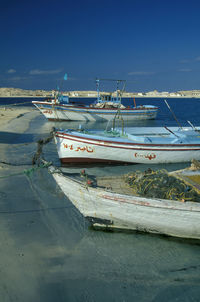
[[101, 125], [15, 138], [165, 237]]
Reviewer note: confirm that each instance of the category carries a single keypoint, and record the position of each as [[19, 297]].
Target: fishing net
[[159, 184], [108, 105]]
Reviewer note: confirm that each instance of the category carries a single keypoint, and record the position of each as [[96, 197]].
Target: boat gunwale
[[187, 206], [109, 142], [152, 109]]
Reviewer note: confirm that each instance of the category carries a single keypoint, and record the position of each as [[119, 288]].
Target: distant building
[[190, 93]]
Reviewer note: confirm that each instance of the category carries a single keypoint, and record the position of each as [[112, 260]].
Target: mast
[[119, 95], [98, 93]]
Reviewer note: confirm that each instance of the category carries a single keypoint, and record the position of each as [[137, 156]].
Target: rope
[[40, 144], [36, 159], [28, 172], [10, 164], [35, 210], [21, 103], [15, 104]]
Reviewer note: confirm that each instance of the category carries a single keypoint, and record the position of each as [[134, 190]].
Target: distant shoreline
[[92, 97], [25, 93]]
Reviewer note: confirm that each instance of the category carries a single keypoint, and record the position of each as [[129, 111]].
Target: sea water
[[49, 252]]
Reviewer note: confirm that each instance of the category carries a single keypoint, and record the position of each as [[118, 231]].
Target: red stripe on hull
[[130, 146], [57, 120], [79, 160]]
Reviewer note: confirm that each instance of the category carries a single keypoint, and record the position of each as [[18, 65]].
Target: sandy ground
[[13, 122], [9, 113]]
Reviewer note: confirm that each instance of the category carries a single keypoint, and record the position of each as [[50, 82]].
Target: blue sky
[[152, 44]]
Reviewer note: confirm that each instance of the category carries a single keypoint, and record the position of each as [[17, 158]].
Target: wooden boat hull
[[111, 210], [74, 147], [85, 113]]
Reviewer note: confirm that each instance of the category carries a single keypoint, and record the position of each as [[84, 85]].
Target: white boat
[[72, 112], [140, 145], [111, 210], [105, 108]]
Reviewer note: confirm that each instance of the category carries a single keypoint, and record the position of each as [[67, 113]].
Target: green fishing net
[[159, 184]]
